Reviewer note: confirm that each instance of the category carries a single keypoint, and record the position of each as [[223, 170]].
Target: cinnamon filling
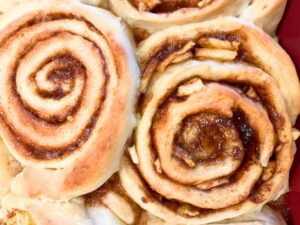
[[167, 6], [207, 137], [41, 18], [184, 209], [67, 67], [218, 45], [48, 154]]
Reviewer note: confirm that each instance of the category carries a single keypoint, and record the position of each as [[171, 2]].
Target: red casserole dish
[[289, 37]]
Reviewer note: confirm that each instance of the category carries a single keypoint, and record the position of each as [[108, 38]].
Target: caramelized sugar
[[205, 136]]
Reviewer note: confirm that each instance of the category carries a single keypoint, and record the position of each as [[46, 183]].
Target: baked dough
[[98, 3], [67, 90], [266, 216], [215, 110], [110, 205], [146, 17], [25, 211], [7, 5], [195, 71]]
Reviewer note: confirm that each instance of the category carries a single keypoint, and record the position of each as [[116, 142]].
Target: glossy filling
[[167, 6], [209, 137]]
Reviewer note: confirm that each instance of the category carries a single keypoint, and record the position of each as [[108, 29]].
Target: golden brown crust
[[155, 15], [256, 48], [67, 78], [214, 136]]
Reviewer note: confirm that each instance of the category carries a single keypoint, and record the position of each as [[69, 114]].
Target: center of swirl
[[60, 78], [208, 137]]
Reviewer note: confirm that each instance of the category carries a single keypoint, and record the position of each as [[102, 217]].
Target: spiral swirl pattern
[[66, 80], [214, 136]]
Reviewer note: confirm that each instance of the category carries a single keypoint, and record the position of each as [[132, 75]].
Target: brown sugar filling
[[69, 66], [191, 132], [166, 6], [207, 136]]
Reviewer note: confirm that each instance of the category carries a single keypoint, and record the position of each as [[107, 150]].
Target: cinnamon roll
[[146, 17], [214, 137], [68, 80], [266, 216], [110, 205], [26, 211]]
